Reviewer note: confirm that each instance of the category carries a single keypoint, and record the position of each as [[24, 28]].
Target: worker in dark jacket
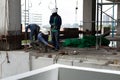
[[34, 30], [55, 22]]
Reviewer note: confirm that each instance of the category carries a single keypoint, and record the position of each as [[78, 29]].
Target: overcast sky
[[66, 9]]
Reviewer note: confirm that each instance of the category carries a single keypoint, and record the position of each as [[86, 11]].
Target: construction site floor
[[20, 61], [106, 58]]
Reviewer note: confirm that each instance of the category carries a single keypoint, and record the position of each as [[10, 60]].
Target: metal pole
[[100, 23], [97, 25], [113, 24], [28, 11], [25, 13], [55, 4], [101, 17], [25, 26]]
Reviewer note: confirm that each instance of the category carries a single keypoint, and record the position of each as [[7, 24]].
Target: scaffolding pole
[[112, 17], [113, 24], [97, 47], [115, 3]]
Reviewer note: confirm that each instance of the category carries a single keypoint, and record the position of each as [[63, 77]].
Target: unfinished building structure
[[11, 20], [11, 34]]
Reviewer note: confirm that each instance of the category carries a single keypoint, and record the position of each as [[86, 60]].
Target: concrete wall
[[76, 74], [89, 14], [3, 16], [10, 14], [14, 17], [40, 62], [19, 63], [62, 72], [48, 75], [118, 27]]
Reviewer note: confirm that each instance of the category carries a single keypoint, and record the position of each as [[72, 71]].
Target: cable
[[50, 5], [76, 8], [6, 22], [55, 4]]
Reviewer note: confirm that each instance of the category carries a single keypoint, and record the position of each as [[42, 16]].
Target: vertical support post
[[89, 13], [113, 24], [25, 12], [100, 23], [55, 4], [11, 24], [97, 47], [93, 16], [118, 27]]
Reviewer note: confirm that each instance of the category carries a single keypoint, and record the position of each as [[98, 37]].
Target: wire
[[76, 8], [6, 22], [50, 5], [55, 4]]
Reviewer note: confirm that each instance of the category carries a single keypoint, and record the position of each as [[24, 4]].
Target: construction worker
[[42, 41], [34, 30], [43, 37], [55, 22]]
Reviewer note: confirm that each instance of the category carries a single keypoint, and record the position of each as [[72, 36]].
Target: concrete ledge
[[63, 72]]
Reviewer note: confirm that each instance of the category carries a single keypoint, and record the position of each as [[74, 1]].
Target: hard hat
[[44, 31], [54, 10]]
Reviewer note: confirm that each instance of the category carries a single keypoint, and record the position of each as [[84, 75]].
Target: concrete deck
[[21, 61]]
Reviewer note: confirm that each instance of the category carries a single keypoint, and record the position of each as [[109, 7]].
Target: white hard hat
[[54, 10], [44, 31]]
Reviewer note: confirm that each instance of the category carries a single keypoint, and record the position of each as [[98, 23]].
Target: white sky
[[66, 9]]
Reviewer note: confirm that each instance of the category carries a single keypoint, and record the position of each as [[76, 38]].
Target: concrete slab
[[21, 61]]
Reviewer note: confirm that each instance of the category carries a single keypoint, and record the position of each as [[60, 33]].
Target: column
[[118, 26], [10, 24], [89, 15]]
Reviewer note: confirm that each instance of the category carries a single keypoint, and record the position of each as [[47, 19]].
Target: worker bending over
[[34, 30], [43, 37]]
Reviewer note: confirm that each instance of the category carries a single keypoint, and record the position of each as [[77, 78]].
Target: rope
[[50, 5], [55, 4], [6, 21], [76, 8]]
